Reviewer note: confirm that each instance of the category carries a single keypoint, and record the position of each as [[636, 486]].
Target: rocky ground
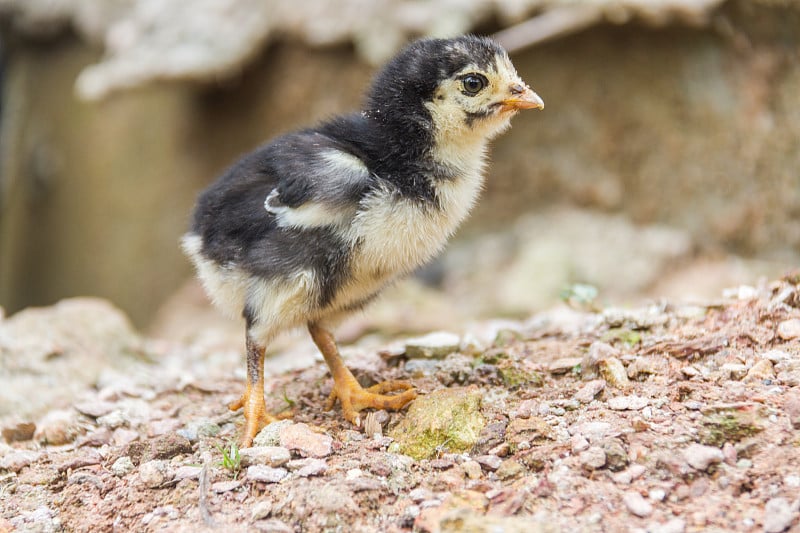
[[666, 418]]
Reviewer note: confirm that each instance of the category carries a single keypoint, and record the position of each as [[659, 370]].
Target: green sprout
[[231, 460]]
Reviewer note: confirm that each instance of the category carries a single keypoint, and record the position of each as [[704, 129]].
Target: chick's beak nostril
[[517, 88]]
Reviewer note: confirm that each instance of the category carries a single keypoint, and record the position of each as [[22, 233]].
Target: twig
[[553, 23], [203, 486]]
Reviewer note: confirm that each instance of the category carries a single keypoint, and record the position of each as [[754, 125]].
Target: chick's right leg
[[255, 409]]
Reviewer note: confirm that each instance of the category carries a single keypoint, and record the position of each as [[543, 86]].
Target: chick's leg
[[255, 409], [346, 388]]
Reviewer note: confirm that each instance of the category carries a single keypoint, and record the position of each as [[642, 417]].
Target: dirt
[[666, 418]]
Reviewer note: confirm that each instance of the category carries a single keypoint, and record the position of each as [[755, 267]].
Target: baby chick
[[313, 225]]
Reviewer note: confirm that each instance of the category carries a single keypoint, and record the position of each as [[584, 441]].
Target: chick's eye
[[473, 83]]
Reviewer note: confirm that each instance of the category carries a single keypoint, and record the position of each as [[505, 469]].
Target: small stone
[[199, 428], [270, 435], [637, 505], [616, 456], [637, 471], [789, 329], [622, 478], [564, 365], [261, 510], [16, 460], [734, 371], [791, 406], [168, 446], [760, 371], [509, 469], [729, 454], [472, 469], [19, 431], [592, 430], [489, 462], [57, 428], [700, 457], [433, 346], [776, 356], [162, 427], [588, 392], [593, 458], [613, 371], [578, 443], [95, 409], [273, 525], [225, 486], [676, 525], [628, 403], [744, 464], [792, 480], [597, 352], [274, 456], [778, 515], [114, 419], [83, 457], [266, 474], [307, 467], [657, 494], [153, 474], [301, 439], [187, 472], [123, 436]]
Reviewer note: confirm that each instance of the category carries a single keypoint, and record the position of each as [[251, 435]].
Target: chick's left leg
[[346, 388], [255, 409]]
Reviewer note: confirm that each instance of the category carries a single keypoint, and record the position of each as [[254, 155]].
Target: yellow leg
[[255, 409], [347, 390]]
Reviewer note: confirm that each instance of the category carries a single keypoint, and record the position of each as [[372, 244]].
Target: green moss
[[624, 335], [447, 420], [514, 374], [729, 425]]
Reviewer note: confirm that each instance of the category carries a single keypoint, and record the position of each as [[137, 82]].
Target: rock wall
[[697, 129]]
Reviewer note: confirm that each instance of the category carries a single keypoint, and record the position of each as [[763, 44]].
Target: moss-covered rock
[[444, 420]]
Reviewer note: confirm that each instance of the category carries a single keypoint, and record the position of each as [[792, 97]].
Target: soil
[[666, 418]]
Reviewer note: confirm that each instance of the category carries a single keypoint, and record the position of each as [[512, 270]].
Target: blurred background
[[666, 162]]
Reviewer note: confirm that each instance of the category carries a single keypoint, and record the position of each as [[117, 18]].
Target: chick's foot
[[354, 397], [255, 414]]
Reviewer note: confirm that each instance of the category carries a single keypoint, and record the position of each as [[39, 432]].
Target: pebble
[[598, 351], [591, 430], [760, 371], [700, 457], [776, 356], [154, 473], [578, 443], [637, 504], [588, 392], [791, 406], [302, 439], [778, 515], [19, 431], [433, 345], [564, 365], [657, 494], [187, 472], [789, 329], [266, 474], [744, 464], [593, 458], [307, 467], [57, 428], [472, 469], [95, 409], [270, 435], [729, 453], [510, 468], [123, 436], [792, 480], [489, 462], [114, 419], [273, 525], [265, 455], [628, 403], [225, 486], [16, 460], [261, 510], [676, 525], [613, 371], [199, 428]]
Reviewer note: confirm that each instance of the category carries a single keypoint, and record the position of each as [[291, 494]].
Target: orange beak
[[523, 98]]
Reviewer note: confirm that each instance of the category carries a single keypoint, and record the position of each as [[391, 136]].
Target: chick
[[313, 225]]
